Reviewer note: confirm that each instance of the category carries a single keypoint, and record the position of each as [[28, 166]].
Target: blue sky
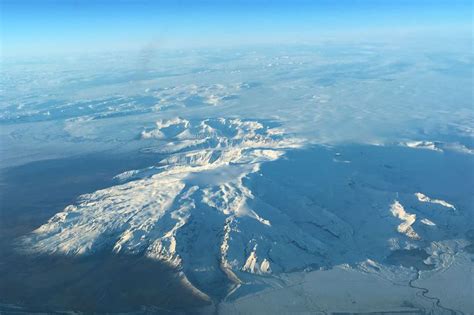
[[74, 25]]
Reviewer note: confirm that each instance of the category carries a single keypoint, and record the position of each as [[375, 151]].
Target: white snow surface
[[327, 157], [407, 220], [207, 209], [151, 212], [423, 198]]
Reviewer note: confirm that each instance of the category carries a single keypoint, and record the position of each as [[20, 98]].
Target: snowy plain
[[317, 178]]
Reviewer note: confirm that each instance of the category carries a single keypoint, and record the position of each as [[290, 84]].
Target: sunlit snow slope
[[185, 209], [210, 210]]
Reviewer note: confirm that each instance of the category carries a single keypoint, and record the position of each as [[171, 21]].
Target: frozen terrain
[[331, 178]]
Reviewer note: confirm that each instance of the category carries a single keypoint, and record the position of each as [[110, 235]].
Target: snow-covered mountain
[[251, 171], [234, 200]]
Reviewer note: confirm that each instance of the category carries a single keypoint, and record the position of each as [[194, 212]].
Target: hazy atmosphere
[[236, 157]]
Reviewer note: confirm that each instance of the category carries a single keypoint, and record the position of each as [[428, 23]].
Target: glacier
[[219, 209]]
